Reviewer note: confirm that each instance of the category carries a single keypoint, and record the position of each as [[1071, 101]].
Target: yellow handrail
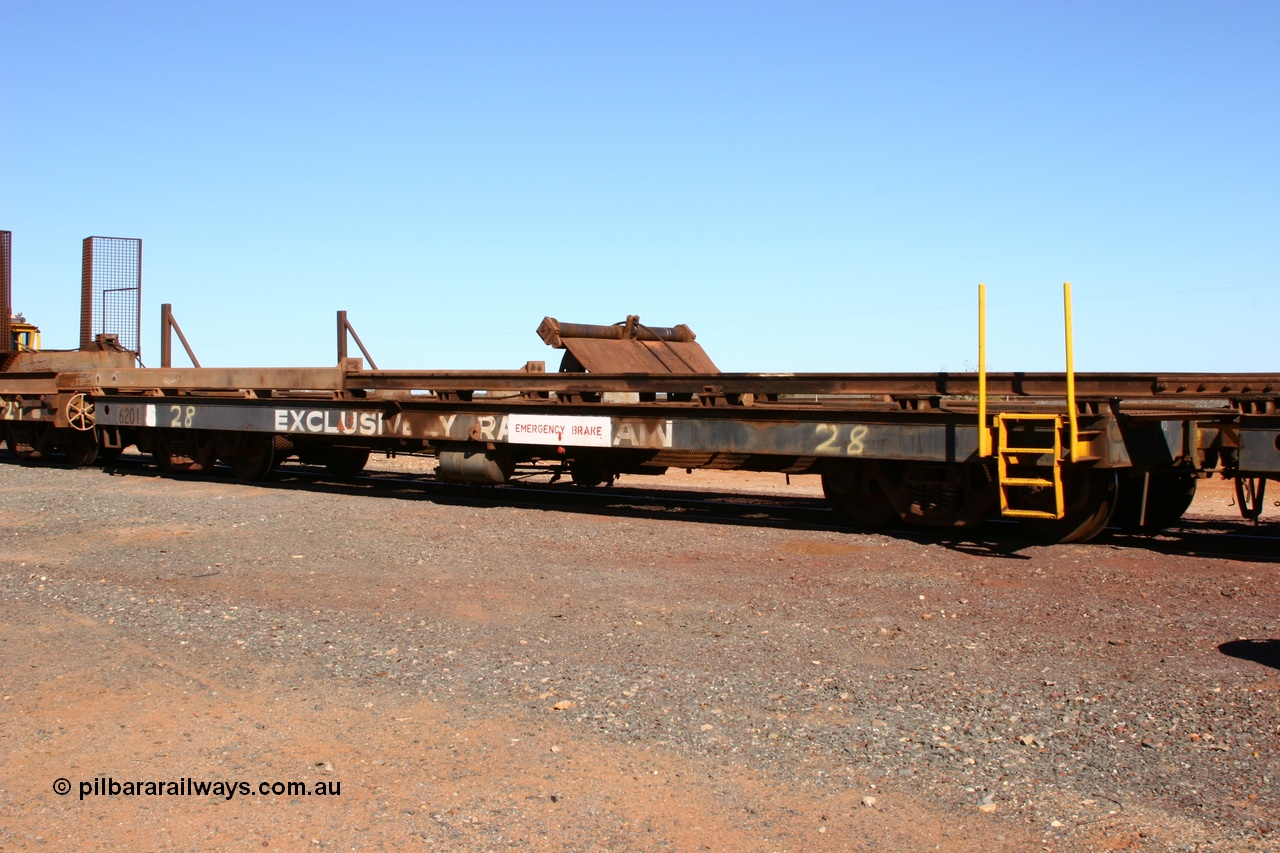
[[984, 434], [1071, 375]]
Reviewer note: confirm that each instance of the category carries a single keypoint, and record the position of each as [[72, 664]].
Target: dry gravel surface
[[465, 674]]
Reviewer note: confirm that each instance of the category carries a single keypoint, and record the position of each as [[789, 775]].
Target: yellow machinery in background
[[26, 336]]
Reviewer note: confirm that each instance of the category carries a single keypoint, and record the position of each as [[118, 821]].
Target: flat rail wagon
[[1064, 453]]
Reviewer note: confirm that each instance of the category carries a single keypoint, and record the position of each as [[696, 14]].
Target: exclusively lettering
[[328, 421]]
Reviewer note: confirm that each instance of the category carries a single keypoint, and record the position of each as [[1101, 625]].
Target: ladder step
[[1026, 449], [1028, 513], [1026, 481]]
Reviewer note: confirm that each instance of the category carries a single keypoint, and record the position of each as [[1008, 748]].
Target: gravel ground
[[484, 677]]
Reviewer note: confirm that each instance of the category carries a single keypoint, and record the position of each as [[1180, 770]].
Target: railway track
[[1195, 536]]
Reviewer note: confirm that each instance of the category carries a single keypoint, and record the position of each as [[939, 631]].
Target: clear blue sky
[[811, 186]]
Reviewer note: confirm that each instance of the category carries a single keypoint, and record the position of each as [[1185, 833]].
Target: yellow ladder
[[1008, 456]]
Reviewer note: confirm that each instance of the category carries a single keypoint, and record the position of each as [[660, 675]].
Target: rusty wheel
[[183, 451], [1090, 494], [250, 456], [29, 441], [585, 472], [346, 462], [855, 492], [1168, 495], [80, 414], [80, 448]]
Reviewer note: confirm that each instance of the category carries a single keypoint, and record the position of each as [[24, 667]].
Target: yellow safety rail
[[984, 434], [1009, 457], [1074, 444]]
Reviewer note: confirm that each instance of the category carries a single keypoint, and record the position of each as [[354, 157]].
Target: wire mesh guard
[[111, 290], [6, 291]]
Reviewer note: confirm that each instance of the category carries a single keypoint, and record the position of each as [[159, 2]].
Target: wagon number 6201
[[832, 443]]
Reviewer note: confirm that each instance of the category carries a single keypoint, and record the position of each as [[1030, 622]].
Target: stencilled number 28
[[182, 416], [831, 444]]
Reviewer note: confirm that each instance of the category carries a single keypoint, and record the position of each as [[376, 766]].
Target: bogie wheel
[[29, 441], [250, 456], [346, 462], [856, 494], [1090, 496], [588, 473], [80, 448], [1168, 496], [1251, 493], [184, 451]]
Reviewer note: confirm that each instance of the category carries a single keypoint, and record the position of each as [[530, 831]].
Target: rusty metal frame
[[111, 265], [168, 325], [345, 328], [6, 293]]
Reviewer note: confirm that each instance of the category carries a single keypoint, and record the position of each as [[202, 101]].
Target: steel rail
[[1089, 385], [886, 385], [797, 512]]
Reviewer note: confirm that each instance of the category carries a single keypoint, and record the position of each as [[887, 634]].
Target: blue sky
[[811, 186]]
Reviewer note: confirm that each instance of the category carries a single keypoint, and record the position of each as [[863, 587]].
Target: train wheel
[[29, 441], [1168, 495], [80, 448], [346, 462], [183, 451], [250, 456], [854, 490], [1251, 495], [587, 473], [1091, 495]]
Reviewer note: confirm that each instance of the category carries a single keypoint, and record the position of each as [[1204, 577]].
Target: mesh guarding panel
[[6, 291], [111, 290]]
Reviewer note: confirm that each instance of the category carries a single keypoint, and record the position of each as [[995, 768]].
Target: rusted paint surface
[[629, 347]]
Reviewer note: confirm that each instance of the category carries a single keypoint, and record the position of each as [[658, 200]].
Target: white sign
[[576, 431]]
